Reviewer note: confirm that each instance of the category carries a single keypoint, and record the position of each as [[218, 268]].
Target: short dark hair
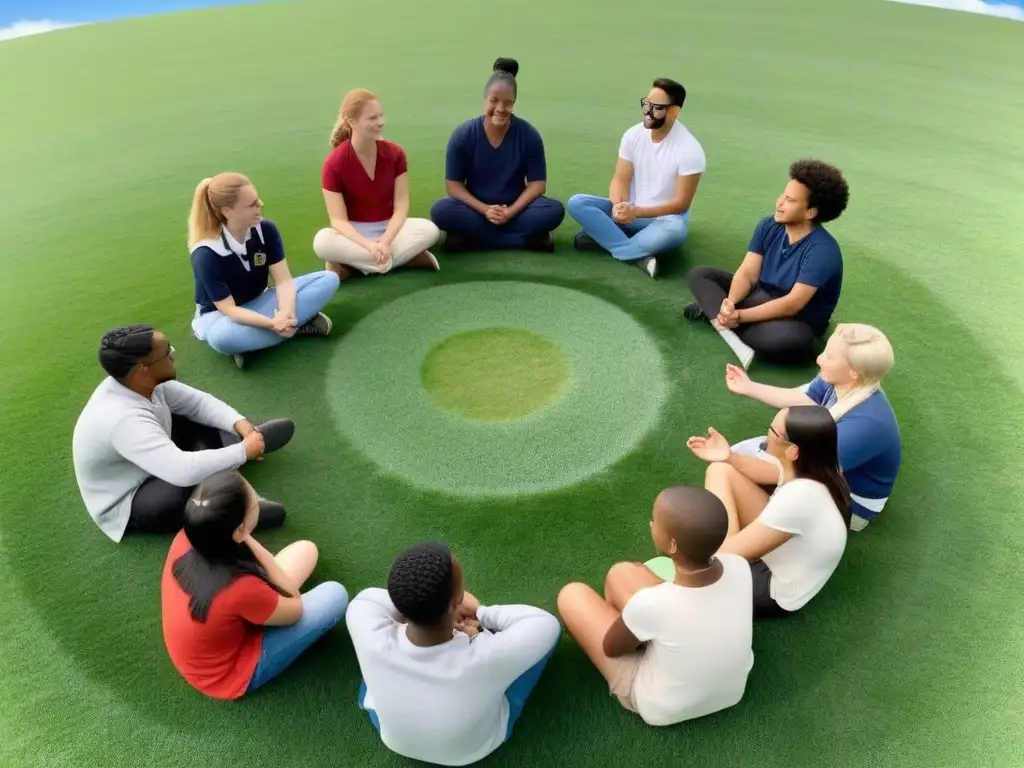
[[504, 71], [122, 348], [827, 189], [420, 583], [676, 92]]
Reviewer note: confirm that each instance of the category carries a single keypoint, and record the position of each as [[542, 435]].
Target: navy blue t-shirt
[[221, 271], [870, 447], [815, 260], [495, 176]]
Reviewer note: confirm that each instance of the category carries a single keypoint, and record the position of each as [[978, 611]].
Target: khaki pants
[[415, 236]]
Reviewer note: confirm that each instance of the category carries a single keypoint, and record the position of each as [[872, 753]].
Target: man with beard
[[647, 211], [145, 440], [781, 299]]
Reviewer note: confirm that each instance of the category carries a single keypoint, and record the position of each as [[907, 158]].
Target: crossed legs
[[410, 248], [588, 616]]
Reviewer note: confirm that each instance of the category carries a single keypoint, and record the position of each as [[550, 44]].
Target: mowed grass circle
[[495, 374], [602, 389]]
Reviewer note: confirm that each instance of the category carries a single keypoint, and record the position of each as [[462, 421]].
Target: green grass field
[[911, 655]]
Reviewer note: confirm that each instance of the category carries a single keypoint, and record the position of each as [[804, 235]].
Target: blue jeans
[[627, 242], [312, 292], [322, 608], [516, 694]]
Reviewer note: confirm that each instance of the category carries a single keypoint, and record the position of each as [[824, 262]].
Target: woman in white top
[[795, 538], [677, 648], [849, 383]]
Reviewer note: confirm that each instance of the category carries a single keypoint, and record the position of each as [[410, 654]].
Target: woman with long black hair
[[233, 615], [795, 538]]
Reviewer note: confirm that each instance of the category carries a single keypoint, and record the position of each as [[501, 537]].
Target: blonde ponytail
[[351, 107], [212, 194]]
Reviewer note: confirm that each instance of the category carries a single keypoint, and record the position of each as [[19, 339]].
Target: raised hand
[[736, 380], [714, 447], [467, 608]]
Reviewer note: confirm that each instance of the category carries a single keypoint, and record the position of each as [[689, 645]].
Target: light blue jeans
[[312, 292], [322, 608], [516, 694], [627, 242]]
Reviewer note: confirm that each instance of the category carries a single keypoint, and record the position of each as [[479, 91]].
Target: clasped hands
[[624, 213], [284, 324], [465, 616], [728, 315], [498, 214]]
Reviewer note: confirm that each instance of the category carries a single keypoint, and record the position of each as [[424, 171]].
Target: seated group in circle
[[673, 636], [778, 304]]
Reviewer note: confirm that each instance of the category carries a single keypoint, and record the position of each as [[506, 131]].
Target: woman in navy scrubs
[[496, 176], [235, 252]]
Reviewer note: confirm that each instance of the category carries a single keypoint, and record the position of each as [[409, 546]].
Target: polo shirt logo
[[259, 258]]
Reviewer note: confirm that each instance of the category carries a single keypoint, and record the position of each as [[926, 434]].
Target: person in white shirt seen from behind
[[444, 678]]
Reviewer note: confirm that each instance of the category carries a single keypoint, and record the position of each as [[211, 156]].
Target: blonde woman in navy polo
[[234, 253], [365, 181]]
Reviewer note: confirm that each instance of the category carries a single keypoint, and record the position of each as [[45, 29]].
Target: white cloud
[[27, 27], [1003, 10]]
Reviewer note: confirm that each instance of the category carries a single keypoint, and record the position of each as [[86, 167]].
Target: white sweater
[[121, 439], [445, 704]]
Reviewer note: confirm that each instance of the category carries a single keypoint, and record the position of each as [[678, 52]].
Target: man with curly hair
[[781, 299], [444, 678]]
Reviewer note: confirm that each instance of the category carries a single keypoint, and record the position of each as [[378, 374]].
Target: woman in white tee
[[795, 538]]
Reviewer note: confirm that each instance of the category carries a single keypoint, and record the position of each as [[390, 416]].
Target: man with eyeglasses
[[145, 440], [647, 211]]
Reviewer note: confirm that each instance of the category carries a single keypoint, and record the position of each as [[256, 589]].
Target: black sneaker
[[693, 312], [319, 325], [271, 515], [584, 242], [277, 433]]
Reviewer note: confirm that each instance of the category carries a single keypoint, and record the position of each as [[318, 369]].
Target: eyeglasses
[[649, 106], [169, 355]]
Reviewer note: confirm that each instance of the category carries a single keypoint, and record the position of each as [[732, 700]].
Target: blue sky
[[20, 17], [12, 11]]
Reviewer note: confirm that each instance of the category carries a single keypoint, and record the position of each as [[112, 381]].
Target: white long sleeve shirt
[[445, 704], [121, 439]]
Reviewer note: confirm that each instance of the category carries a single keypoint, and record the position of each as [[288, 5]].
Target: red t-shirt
[[219, 656], [366, 199]]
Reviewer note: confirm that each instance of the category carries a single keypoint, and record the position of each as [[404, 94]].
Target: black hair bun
[[506, 65]]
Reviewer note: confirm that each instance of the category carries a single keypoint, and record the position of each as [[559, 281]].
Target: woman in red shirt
[[365, 183], [233, 617]]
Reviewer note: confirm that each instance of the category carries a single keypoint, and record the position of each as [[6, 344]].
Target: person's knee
[[335, 597], [427, 232], [674, 231], [577, 202], [443, 212], [554, 213], [220, 336], [699, 274], [569, 595], [327, 281], [719, 471], [325, 244]]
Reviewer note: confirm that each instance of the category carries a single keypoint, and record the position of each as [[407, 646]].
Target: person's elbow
[[540, 186], [452, 188]]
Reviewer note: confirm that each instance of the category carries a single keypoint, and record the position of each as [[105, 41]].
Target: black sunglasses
[[647, 104]]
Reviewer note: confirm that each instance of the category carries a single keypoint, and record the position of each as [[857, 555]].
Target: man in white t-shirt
[[671, 650], [444, 678], [647, 211]]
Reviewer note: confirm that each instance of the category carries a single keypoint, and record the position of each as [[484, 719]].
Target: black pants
[[781, 341], [158, 506], [765, 606]]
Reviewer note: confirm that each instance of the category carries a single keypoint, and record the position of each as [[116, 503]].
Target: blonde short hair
[[867, 350]]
